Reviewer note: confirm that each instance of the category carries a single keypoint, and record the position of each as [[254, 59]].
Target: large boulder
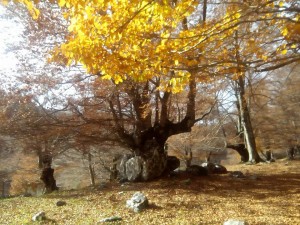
[[134, 167], [214, 168], [172, 163], [122, 166], [197, 170], [219, 169], [138, 202], [147, 167]]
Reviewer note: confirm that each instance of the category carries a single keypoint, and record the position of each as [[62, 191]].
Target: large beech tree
[[149, 50]]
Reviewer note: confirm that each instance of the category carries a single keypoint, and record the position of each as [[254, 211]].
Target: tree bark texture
[[48, 178], [148, 142], [246, 123], [91, 169], [241, 149], [243, 107], [48, 174]]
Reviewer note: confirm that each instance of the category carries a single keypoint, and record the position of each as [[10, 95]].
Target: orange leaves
[[291, 31]]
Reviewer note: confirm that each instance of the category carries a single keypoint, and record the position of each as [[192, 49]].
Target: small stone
[[237, 174], [27, 195], [253, 177], [110, 219], [60, 203], [187, 181], [39, 216], [138, 202], [122, 181], [235, 222], [102, 186]]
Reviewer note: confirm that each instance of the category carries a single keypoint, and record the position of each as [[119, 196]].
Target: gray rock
[[173, 163], [60, 203], [235, 222], [146, 167], [237, 174], [138, 202], [197, 170], [110, 219], [146, 173], [39, 216], [134, 168], [209, 166], [122, 167], [219, 169], [102, 186], [214, 168]]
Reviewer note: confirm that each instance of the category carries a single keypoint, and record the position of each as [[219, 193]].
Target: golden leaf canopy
[[141, 39]]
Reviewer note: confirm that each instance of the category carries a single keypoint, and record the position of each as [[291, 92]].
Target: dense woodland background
[[236, 82]]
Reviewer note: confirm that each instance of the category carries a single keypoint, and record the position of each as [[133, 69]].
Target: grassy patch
[[271, 198]]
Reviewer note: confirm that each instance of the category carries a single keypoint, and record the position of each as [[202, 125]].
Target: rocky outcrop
[[197, 170], [138, 168]]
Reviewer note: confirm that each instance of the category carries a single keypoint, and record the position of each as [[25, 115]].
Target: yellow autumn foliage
[[143, 39]]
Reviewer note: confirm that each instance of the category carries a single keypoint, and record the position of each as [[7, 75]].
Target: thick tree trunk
[[48, 174], [48, 179], [241, 149], [150, 163], [150, 159], [291, 153], [147, 138]]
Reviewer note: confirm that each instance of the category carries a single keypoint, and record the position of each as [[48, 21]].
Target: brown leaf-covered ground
[[269, 194]]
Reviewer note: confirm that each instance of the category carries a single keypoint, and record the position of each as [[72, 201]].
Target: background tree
[[148, 51]]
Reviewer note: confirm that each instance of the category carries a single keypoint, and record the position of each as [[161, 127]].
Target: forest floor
[[268, 195]]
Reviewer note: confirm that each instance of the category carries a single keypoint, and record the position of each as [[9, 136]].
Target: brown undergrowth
[[269, 194]]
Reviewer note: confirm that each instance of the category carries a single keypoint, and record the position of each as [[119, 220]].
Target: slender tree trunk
[[243, 107], [188, 156], [40, 156], [246, 123], [91, 169], [239, 125]]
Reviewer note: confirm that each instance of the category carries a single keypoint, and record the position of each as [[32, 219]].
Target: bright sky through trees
[[10, 34]]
